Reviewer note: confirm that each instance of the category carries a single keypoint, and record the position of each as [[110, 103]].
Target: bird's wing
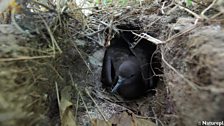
[[107, 70]]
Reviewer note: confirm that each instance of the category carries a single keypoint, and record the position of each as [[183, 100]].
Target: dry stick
[[181, 33], [76, 108], [189, 11], [16, 25], [83, 58], [53, 68], [110, 25], [98, 34], [162, 8], [32, 74], [84, 8], [212, 89], [171, 10], [110, 31], [143, 117], [24, 58], [154, 53], [53, 40], [206, 9], [43, 5], [155, 116], [58, 99], [216, 15], [149, 38], [79, 94], [59, 19], [93, 33], [98, 108], [194, 86], [136, 43], [108, 100], [49, 8], [83, 102], [216, 9], [104, 23], [157, 41], [198, 2], [154, 22], [170, 5]]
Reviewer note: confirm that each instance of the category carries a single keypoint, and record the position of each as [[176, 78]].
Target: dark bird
[[128, 70]]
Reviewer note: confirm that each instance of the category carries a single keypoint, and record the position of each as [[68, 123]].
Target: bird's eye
[[132, 75]]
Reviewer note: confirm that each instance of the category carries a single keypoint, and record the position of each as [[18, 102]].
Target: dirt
[[197, 87]]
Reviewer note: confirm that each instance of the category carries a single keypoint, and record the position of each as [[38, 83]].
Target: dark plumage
[[127, 70]]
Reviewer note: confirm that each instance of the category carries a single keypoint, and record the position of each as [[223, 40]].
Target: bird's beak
[[118, 84]]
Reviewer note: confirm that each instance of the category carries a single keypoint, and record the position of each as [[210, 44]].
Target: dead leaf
[[10, 5], [98, 122], [4, 4], [123, 119], [66, 113]]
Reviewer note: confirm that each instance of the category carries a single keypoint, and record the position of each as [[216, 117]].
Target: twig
[[155, 116], [79, 94], [91, 34], [162, 8], [216, 15], [58, 99], [206, 9], [58, 74], [142, 117], [104, 23], [24, 58], [98, 108], [83, 59], [43, 5], [17, 26], [53, 40], [98, 34], [113, 102], [153, 22], [83, 102], [107, 43], [137, 40], [189, 11], [212, 89], [83, 8], [149, 38], [172, 9], [32, 74], [77, 107], [191, 84], [151, 62], [184, 32]]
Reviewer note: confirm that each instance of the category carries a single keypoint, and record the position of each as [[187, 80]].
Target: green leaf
[[189, 2]]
